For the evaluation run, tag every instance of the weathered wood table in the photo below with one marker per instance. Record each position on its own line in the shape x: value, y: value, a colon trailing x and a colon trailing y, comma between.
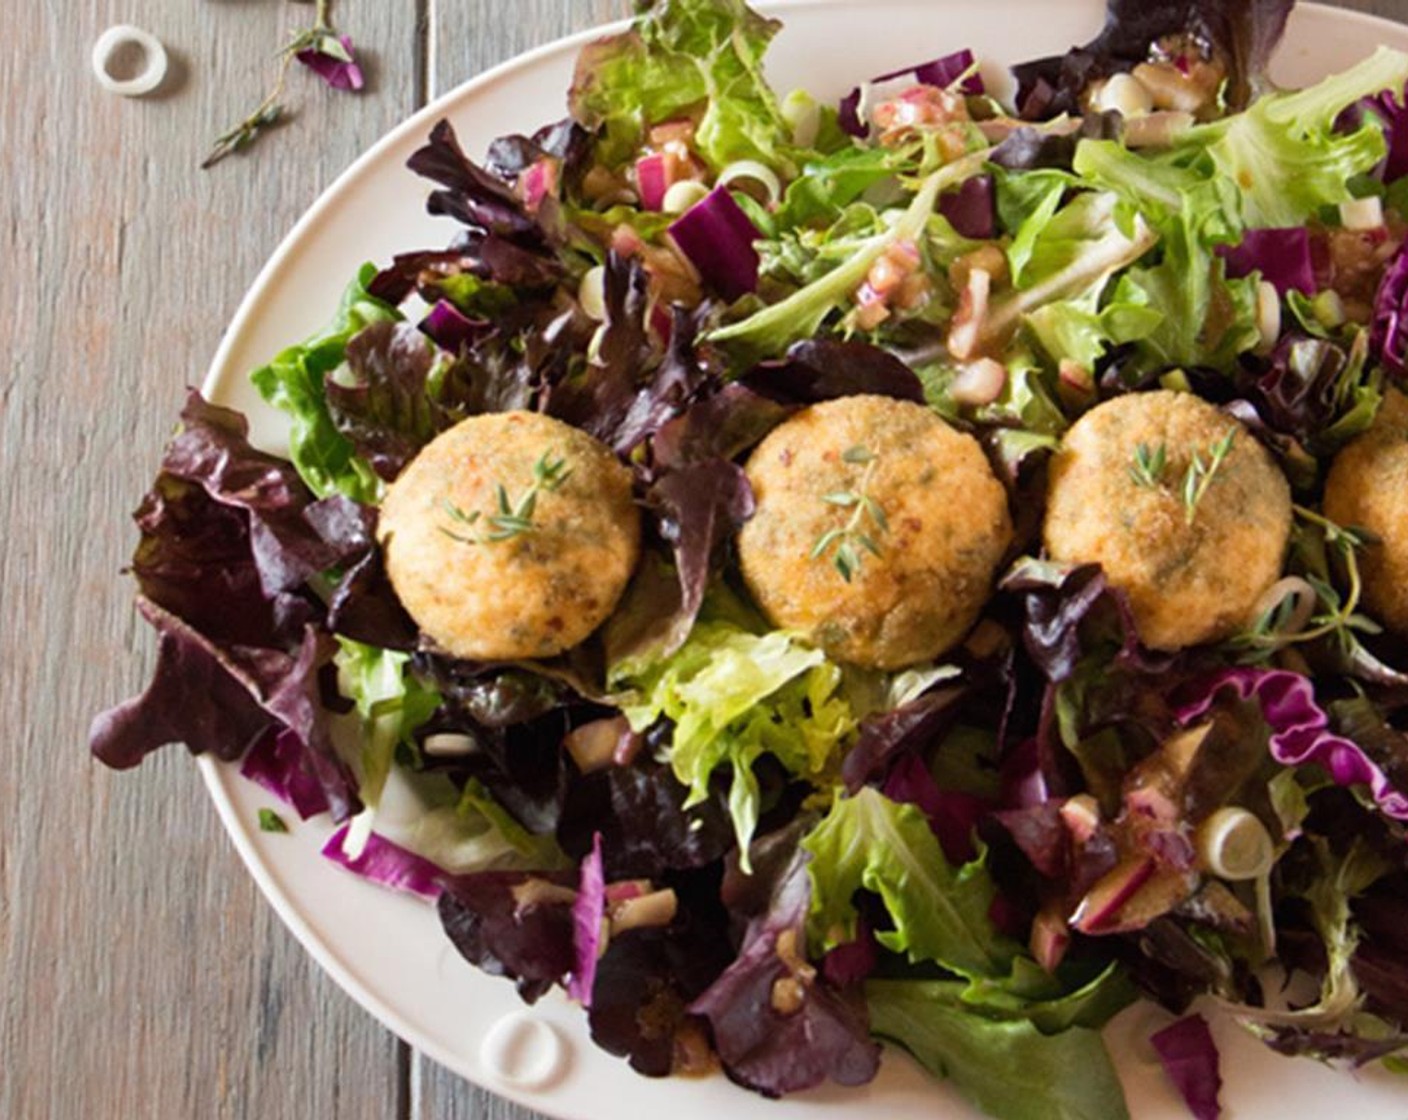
x: 141, y: 974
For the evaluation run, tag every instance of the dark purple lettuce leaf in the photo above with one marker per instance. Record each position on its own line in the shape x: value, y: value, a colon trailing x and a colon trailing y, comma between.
x: 1303, y: 391
x: 770, y: 1051
x: 381, y: 399
x: 278, y: 763
x: 644, y: 985
x: 1190, y: 1060
x: 631, y: 389
x: 817, y: 370
x: 953, y: 815
x: 291, y: 535
x: 397, y: 390
x: 637, y: 811
x: 387, y: 865
x: 1041, y: 835
x: 196, y: 560
x: 521, y: 764
x: 565, y: 141
x: 1282, y: 256
x: 1300, y: 730
x: 1242, y: 34
x: 501, y: 240
x: 221, y: 700
x: 855, y: 960
x: 229, y: 538
x: 1380, y: 961
x: 1391, y: 112
x: 365, y: 607
x: 972, y: 208
x: 193, y: 698
x: 471, y: 195
x: 407, y: 272
x: 717, y: 237
x: 588, y: 912
x: 513, y: 924
x: 886, y: 736
x: 1388, y: 336
x: 699, y: 509
x: 720, y: 425
x: 941, y: 72
x: 1032, y: 149
x: 696, y: 511
x: 1057, y: 602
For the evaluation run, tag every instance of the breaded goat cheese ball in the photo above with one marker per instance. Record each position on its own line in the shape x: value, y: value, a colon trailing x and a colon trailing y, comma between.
x: 1368, y: 488
x: 511, y: 535
x: 877, y: 533
x: 1180, y: 505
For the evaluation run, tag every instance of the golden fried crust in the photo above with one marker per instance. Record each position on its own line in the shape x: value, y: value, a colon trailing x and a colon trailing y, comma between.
x: 947, y: 529
x: 1368, y: 488
x: 1188, y: 581
x: 537, y: 594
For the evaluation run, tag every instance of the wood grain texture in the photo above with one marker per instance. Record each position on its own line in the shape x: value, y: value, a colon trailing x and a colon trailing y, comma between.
x: 140, y: 972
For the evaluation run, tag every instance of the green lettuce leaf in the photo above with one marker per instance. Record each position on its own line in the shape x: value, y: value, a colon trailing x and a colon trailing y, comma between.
x: 770, y: 331
x: 940, y: 913
x: 679, y: 56
x: 391, y: 703
x: 463, y: 831
x: 1081, y: 330
x: 293, y: 383
x: 734, y: 696
x: 1208, y: 319
x: 1007, y: 1067
x: 1284, y: 152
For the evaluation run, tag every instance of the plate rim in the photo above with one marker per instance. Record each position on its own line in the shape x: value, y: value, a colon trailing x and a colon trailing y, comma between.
x: 217, y: 775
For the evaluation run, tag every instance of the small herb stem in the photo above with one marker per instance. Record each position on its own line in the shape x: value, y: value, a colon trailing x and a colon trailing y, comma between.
x: 509, y: 519
x: 852, y: 540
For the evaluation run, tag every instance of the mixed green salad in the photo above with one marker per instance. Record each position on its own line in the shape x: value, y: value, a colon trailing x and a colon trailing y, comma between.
x: 746, y: 842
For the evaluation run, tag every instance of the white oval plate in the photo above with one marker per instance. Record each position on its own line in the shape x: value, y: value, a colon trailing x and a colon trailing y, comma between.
x: 387, y: 950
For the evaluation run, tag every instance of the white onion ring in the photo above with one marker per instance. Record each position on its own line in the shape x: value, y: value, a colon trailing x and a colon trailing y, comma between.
x: 1279, y: 592
x: 115, y: 39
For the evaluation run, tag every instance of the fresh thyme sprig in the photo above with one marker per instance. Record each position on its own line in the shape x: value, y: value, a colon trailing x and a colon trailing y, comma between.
x: 852, y: 540
x: 1200, y: 474
x: 1147, y: 470
x: 318, y: 39
x: 1319, y: 543
x: 509, y: 519
x: 1149, y: 465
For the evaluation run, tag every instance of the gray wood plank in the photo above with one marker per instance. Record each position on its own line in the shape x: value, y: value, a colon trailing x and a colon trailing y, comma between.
x: 141, y: 974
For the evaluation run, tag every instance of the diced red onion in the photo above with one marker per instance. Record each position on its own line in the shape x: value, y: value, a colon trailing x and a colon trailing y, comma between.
x: 1282, y: 256
x: 539, y: 181
x: 972, y: 208
x: 717, y: 237
x: 653, y: 180
x: 449, y: 328
x: 941, y: 72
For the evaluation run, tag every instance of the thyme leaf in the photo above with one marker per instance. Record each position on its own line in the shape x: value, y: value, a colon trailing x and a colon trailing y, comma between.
x: 510, y: 519
x: 1147, y: 469
x: 1200, y: 473
x: 852, y: 540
